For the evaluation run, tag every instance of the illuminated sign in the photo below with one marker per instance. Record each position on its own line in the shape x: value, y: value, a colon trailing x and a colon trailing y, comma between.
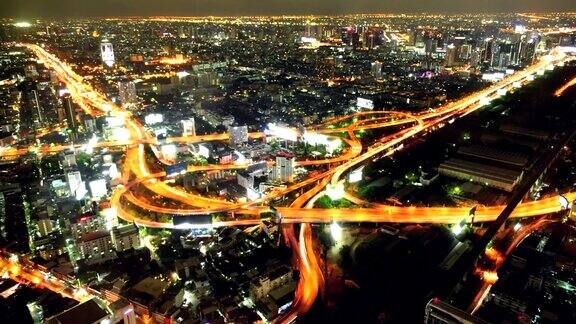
x: 308, y: 40
x: 493, y: 76
x: 120, y: 134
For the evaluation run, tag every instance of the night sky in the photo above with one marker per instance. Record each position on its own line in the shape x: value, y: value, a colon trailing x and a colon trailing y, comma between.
x: 92, y: 8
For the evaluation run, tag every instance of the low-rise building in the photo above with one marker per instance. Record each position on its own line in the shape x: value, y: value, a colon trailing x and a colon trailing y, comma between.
x: 261, y: 286
x: 96, y: 247
x: 493, y: 176
x: 125, y: 238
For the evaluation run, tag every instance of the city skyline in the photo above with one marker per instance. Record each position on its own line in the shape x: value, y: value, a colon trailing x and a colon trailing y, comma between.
x: 287, y: 169
x: 113, y: 8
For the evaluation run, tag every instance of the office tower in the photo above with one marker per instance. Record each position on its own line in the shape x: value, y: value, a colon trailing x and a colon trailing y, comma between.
x: 487, y: 48
x: 238, y: 135
x: 70, y: 113
x: 30, y: 71
x: 127, y: 93
x: 107, y: 52
x: 439, y: 312
x: 430, y: 46
x: 69, y: 160
x: 125, y: 238
x: 36, y: 106
x: 189, y: 127
x: 207, y: 79
x: 450, y: 58
x: 74, y: 181
x: 13, y: 227
x: 495, y: 55
x: 284, y: 168
x: 54, y: 78
x: 376, y: 69
x: 465, y: 52
x: 31, y: 114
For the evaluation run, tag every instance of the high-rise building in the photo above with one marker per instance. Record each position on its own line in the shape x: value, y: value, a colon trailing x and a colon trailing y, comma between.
x: 238, y: 135
x: 284, y: 168
x: 450, y: 58
x: 69, y: 159
x: 107, y: 53
x: 465, y: 52
x: 13, y: 228
x: 376, y: 69
x: 96, y: 247
x: 188, y: 127
x: 30, y: 71
x: 127, y: 93
x: 70, y: 113
x: 439, y: 312
x: 74, y: 181
x: 125, y: 238
x: 30, y: 111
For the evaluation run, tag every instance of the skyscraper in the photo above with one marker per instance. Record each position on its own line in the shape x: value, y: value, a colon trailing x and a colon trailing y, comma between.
x: 127, y: 93
x: 107, y: 52
x: 70, y: 113
x: 284, y: 168
x: 30, y: 111
x: 450, y: 58
x: 376, y: 69
x: 238, y: 135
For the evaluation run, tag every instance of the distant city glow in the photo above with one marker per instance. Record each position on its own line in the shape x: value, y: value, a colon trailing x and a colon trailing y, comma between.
x: 23, y: 24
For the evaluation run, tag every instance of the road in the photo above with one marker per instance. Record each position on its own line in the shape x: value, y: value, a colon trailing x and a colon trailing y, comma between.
x: 138, y: 177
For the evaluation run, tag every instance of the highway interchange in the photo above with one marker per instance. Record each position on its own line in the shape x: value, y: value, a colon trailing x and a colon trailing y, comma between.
x: 138, y: 177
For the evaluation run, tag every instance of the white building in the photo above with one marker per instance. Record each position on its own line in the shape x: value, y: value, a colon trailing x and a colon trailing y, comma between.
x: 86, y: 225
x: 189, y: 127
x: 261, y: 286
x: 127, y: 93
x: 125, y: 238
x: 107, y: 53
x: 69, y: 159
x: 96, y: 247
x: 284, y: 168
x: 74, y: 181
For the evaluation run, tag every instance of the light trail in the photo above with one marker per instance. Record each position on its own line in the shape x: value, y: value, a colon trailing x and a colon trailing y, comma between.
x: 560, y: 91
x: 311, y: 283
